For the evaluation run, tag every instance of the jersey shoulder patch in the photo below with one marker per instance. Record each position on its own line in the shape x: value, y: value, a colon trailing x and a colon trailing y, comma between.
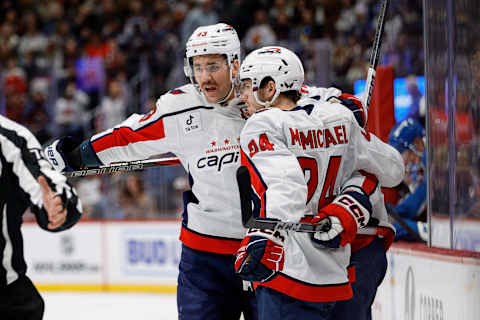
x: 176, y: 91
x: 178, y: 99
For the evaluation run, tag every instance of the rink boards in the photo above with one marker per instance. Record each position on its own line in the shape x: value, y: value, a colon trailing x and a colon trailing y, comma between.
x: 429, y: 283
x: 421, y: 283
x: 105, y: 255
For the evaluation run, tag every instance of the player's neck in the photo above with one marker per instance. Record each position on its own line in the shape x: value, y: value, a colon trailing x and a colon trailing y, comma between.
x: 230, y: 95
x: 284, y: 103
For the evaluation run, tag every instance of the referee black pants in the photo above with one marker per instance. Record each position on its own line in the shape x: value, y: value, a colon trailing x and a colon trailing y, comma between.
x: 20, y: 300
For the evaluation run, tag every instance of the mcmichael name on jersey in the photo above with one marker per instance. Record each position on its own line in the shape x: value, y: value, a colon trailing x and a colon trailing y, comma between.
x: 319, y: 138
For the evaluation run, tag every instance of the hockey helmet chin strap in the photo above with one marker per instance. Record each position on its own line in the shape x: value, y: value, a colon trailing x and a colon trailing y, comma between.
x: 232, y: 86
x: 224, y: 99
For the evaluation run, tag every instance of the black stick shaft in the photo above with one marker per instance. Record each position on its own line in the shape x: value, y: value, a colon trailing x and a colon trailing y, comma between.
x: 244, y: 186
x: 375, y: 56
x: 123, y: 167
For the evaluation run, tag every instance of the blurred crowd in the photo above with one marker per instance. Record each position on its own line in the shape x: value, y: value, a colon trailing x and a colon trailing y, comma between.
x: 77, y: 67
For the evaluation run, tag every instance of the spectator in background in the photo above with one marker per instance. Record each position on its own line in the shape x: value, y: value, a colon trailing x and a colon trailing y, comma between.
x: 201, y: 15
x: 15, y: 104
x: 348, y: 19
x: 281, y: 7
x: 36, y: 117
x: 260, y: 34
x: 134, y: 39
x: 416, y: 96
x: 8, y: 39
x: 66, y: 57
x: 100, y: 196
x: 282, y: 29
x: 113, y: 108
x: 15, y: 88
x: 237, y: 13
x: 14, y: 76
x: 357, y: 70
x: 89, y: 190
x: 32, y: 41
x: 70, y: 111
x: 135, y: 201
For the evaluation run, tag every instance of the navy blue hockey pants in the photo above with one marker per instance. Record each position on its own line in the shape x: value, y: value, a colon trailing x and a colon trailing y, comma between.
x: 209, y: 289
x: 370, y: 267
x: 275, y: 305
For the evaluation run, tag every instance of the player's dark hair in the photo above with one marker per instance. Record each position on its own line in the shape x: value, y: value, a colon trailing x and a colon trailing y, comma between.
x: 291, y: 94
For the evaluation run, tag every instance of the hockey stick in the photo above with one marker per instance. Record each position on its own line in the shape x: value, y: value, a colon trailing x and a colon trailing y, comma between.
x: 244, y: 186
x: 248, y: 221
x: 403, y: 223
x: 123, y: 167
x: 377, y: 44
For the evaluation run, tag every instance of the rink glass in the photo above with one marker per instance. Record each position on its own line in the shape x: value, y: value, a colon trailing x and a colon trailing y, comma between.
x: 452, y: 55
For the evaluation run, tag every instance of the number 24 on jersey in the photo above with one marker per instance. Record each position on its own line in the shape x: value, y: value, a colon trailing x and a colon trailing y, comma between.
x: 262, y: 145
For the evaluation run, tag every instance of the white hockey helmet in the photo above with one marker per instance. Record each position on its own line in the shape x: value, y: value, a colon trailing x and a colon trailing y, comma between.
x: 281, y: 64
x: 219, y: 38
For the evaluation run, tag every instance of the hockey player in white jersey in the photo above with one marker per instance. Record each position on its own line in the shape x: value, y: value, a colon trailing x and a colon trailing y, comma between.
x: 282, y: 147
x: 200, y: 123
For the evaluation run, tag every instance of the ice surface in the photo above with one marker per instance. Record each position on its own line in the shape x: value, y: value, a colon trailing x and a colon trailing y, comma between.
x: 118, y: 306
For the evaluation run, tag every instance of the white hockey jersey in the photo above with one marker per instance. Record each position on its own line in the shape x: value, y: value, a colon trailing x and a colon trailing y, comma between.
x: 299, y: 160
x: 206, y: 139
x: 319, y: 93
x: 380, y: 225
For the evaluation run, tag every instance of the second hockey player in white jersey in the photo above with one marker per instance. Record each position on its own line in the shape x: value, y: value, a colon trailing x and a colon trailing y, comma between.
x: 300, y: 156
x: 200, y: 123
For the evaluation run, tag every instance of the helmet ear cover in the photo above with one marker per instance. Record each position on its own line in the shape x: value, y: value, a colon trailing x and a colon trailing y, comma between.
x: 293, y: 95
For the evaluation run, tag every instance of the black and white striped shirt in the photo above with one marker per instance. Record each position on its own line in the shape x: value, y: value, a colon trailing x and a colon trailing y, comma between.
x: 21, y: 163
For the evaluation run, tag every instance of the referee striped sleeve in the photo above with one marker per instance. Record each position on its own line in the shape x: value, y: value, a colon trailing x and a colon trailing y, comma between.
x: 20, y: 148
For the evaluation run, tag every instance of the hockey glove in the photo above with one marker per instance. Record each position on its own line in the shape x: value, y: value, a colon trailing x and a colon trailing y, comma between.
x: 347, y: 213
x: 355, y: 105
x: 260, y: 255
x: 56, y: 153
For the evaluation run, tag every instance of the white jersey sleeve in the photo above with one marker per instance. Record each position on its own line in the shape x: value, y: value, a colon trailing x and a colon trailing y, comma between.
x: 377, y: 157
x: 319, y: 93
x: 379, y: 224
x: 141, y: 136
x: 368, y: 184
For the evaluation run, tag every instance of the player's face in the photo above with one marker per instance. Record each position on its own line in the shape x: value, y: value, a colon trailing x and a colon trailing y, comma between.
x: 414, y: 155
x: 212, y: 74
x: 246, y: 96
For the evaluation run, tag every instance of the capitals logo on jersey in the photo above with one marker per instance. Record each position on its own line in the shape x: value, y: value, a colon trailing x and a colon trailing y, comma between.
x: 222, y: 152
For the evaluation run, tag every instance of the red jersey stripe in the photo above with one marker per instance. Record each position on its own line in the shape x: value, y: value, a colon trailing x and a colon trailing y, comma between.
x: 361, y: 241
x: 309, y: 292
x: 352, y: 274
x: 257, y: 183
x: 370, y: 183
x: 123, y: 136
x: 206, y: 243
